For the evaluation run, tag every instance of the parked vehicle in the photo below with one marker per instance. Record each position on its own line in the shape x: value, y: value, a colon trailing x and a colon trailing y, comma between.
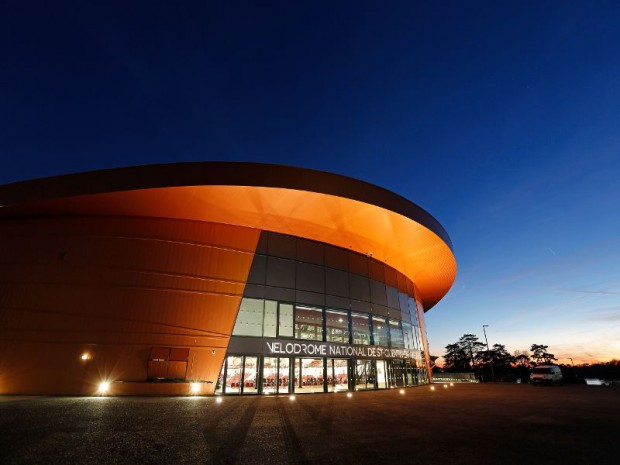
x: 546, y: 374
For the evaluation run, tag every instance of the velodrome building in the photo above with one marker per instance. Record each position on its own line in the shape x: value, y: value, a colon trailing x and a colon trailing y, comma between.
x: 215, y: 277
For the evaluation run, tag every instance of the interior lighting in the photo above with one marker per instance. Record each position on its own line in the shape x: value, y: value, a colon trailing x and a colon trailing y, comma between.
x: 194, y: 388
x: 291, y: 398
x: 218, y: 400
x: 402, y: 391
x: 432, y: 388
x: 349, y: 394
x: 104, y: 387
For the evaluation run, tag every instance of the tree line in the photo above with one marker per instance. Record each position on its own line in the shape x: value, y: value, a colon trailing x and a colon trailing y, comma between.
x: 468, y: 354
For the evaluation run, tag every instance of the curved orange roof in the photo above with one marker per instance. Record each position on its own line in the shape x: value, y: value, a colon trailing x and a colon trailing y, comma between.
x: 312, y: 204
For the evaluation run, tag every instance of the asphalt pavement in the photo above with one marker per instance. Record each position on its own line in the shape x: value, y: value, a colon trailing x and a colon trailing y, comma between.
x: 462, y: 424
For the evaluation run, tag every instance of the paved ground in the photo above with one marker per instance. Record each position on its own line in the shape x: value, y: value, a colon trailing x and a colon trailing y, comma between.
x: 471, y: 424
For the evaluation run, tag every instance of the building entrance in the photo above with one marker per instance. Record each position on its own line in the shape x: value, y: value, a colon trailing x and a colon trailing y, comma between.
x: 256, y: 374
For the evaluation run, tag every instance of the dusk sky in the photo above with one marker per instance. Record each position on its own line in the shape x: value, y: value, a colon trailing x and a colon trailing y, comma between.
x: 502, y: 119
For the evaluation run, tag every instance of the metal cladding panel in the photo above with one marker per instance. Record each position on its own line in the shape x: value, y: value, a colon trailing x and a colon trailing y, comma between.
x: 393, y: 239
x: 115, y: 288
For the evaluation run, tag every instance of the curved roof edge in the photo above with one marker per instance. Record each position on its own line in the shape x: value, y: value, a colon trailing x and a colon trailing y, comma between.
x: 217, y: 173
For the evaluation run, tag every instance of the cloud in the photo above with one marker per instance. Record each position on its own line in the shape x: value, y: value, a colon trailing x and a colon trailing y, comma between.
x: 587, y: 291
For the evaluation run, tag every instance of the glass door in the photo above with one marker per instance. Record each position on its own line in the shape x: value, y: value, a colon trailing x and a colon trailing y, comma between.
x: 364, y: 374
x: 270, y: 373
x: 381, y: 375
x: 337, y: 376
x: 250, y: 378
x: 308, y: 375
x: 283, y: 375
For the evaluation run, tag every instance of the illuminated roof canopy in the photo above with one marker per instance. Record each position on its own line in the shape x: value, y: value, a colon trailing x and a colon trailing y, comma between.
x: 312, y: 204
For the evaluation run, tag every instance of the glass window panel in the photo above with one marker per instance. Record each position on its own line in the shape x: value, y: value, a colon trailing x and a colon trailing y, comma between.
x: 250, y: 318
x: 336, y: 258
x: 392, y: 298
x: 271, y: 318
x: 308, y: 323
x: 337, y: 282
x: 402, y: 282
x: 402, y: 303
x: 396, y: 334
x: 410, y: 289
x: 337, y: 302
x: 360, y: 287
x: 358, y: 264
x: 280, y: 272
x: 361, y: 306
x: 360, y: 325
x: 412, y: 310
x: 379, y: 331
x: 390, y: 276
x: 310, y: 298
x: 337, y: 326
x: 377, y: 293
x: 309, y: 251
x: 408, y: 336
x: 233, y: 375
x: 376, y: 270
x: 310, y: 277
x: 285, y: 323
x: 281, y: 245
x: 250, y: 381
x: 279, y: 293
x: 258, y: 271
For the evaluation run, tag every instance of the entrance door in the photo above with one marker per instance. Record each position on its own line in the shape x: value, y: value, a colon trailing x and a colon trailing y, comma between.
x: 397, y: 373
x: 308, y: 375
x: 364, y: 374
x: 337, y: 376
x: 381, y: 375
x: 270, y: 375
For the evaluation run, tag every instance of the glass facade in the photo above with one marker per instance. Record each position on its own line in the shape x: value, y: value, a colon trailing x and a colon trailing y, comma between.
x: 317, y: 318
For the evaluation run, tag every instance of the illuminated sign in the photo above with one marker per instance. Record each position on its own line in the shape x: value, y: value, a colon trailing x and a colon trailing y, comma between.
x: 326, y: 349
x: 287, y: 347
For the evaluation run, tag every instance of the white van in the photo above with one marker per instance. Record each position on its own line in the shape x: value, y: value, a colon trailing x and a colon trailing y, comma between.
x: 546, y: 374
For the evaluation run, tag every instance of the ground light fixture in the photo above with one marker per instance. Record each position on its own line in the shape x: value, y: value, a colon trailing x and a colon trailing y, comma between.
x: 85, y: 356
x: 104, y: 387
x: 432, y: 388
x: 218, y: 400
x: 349, y: 394
x: 445, y: 386
x: 194, y: 388
x: 402, y: 391
x: 291, y: 398
x: 451, y: 384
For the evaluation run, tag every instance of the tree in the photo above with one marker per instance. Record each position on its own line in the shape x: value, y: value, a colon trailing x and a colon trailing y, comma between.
x: 540, y: 354
x: 501, y: 358
x: 462, y: 355
x: 522, y: 360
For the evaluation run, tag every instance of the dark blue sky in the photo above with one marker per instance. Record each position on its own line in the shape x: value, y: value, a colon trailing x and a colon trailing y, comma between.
x: 500, y: 118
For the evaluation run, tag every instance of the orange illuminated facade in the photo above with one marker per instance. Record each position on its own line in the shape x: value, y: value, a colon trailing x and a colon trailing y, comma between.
x: 202, y: 277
